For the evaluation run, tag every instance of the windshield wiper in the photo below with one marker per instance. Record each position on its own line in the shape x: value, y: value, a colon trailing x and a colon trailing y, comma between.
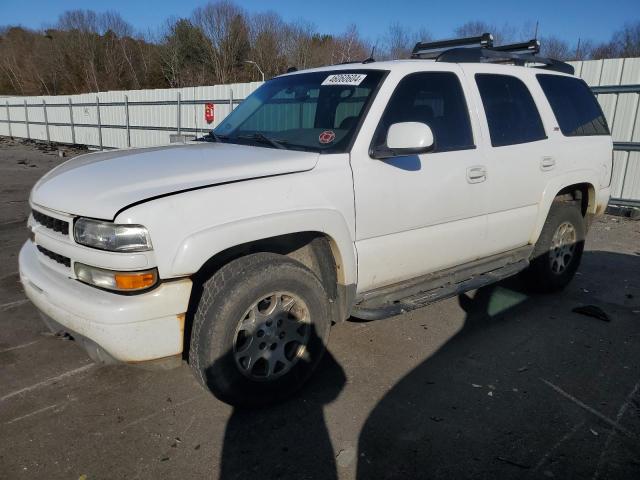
x: 262, y: 138
x: 212, y: 137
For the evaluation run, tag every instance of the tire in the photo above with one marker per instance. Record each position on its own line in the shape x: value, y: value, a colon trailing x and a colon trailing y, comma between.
x: 551, y: 269
x: 247, y: 296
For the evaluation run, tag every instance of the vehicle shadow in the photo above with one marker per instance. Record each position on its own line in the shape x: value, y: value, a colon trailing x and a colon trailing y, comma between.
x: 482, y: 405
x: 287, y: 440
x: 479, y: 407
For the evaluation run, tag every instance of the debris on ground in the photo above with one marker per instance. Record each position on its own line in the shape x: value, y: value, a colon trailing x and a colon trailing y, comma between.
x: 62, y: 335
x: 592, y: 311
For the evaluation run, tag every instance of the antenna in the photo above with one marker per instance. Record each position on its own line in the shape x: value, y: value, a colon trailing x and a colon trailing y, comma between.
x: 370, y: 59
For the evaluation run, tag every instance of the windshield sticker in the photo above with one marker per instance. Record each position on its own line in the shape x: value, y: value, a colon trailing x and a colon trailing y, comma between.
x: 327, y: 136
x: 345, y: 79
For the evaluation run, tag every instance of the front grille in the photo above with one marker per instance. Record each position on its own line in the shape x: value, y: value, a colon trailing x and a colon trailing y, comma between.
x: 51, y: 223
x: 56, y: 257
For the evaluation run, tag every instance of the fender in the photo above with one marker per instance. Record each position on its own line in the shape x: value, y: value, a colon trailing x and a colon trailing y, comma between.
x: 198, y: 247
x: 551, y: 190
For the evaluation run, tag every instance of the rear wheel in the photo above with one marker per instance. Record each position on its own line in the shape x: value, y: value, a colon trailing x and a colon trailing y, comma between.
x: 558, y: 251
x: 260, y: 329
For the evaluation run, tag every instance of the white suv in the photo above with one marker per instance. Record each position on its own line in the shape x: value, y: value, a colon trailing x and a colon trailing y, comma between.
x: 358, y: 190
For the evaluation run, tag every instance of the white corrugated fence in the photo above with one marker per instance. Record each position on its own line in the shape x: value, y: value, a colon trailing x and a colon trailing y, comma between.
x: 621, y: 106
x: 119, y: 119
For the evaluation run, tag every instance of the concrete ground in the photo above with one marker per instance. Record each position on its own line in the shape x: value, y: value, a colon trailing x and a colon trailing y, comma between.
x: 494, y: 384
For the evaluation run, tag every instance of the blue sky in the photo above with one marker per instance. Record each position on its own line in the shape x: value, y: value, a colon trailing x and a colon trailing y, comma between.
x: 591, y: 19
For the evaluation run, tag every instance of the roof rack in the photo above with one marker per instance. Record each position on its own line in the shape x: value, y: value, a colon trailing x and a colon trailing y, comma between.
x: 532, y: 46
x: 481, y: 50
x: 433, y: 49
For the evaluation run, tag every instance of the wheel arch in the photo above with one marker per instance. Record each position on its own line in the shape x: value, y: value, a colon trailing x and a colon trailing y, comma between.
x: 316, y: 250
x: 579, y: 190
x: 584, y: 193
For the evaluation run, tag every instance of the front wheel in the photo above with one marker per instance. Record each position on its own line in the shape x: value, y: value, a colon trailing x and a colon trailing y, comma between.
x: 558, y: 251
x: 260, y: 329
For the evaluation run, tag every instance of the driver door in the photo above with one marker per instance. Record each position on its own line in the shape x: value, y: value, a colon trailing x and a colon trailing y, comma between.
x: 421, y: 213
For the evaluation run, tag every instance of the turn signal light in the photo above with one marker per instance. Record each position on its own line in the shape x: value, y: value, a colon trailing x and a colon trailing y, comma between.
x: 117, y: 281
x: 135, y: 281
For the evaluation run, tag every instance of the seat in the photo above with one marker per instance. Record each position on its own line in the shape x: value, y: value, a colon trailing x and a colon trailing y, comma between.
x: 348, y: 122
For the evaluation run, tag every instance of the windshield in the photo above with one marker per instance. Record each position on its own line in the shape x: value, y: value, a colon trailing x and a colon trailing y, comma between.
x: 317, y: 111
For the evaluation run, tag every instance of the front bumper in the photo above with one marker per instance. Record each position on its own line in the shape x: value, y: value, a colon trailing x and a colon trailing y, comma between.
x: 134, y: 328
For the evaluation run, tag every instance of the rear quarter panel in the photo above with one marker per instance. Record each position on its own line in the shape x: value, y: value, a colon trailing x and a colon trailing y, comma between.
x: 579, y: 159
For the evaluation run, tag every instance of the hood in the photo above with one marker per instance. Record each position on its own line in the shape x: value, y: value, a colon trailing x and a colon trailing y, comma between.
x: 100, y: 184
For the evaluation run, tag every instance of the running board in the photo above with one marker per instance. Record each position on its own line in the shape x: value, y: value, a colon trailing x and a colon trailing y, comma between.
x: 417, y: 293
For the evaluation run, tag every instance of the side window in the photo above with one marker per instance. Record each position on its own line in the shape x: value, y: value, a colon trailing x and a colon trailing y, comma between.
x: 511, y: 113
x: 434, y: 98
x: 576, y: 109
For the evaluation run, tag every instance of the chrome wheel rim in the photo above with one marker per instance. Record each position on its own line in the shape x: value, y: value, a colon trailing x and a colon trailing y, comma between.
x: 272, y: 336
x: 563, y: 246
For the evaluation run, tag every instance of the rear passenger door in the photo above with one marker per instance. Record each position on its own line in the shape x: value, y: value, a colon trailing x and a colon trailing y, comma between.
x: 518, y: 153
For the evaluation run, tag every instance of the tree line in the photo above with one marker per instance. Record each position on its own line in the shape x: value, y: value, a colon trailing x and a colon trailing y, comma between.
x: 86, y: 51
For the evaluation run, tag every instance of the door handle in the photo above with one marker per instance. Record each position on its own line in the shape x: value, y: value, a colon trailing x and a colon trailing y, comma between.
x: 547, y: 163
x: 476, y: 174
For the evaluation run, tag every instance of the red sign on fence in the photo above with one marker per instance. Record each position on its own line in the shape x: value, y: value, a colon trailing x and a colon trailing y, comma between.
x: 208, y: 112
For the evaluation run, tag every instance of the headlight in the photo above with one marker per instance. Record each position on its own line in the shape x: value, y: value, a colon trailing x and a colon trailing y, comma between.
x: 117, y: 281
x: 110, y: 236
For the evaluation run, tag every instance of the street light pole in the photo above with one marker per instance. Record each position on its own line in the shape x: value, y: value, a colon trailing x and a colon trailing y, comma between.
x: 257, y: 66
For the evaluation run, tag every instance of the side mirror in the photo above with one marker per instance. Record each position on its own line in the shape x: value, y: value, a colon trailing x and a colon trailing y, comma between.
x: 406, y: 138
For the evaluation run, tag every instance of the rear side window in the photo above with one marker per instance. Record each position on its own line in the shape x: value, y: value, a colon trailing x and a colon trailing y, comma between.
x: 511, y: 112
x: 434, y: 98
x: 576, y: 109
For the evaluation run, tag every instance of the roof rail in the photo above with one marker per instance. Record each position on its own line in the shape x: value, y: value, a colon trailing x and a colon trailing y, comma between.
x: 433, y: 49
x: 481, y: 50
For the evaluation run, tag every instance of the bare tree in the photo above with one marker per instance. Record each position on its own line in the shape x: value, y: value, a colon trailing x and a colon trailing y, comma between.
x: 298, y: 44
x: 267, y: 38
x: 223, y: 24
x: 88, y: 51
x: 399, y: 42
x: 605, y: 50
x: 627, y: 40
x: 349, y: 47
x: 82, y: 41
x: 554, y: 47
x: 501, y: 34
